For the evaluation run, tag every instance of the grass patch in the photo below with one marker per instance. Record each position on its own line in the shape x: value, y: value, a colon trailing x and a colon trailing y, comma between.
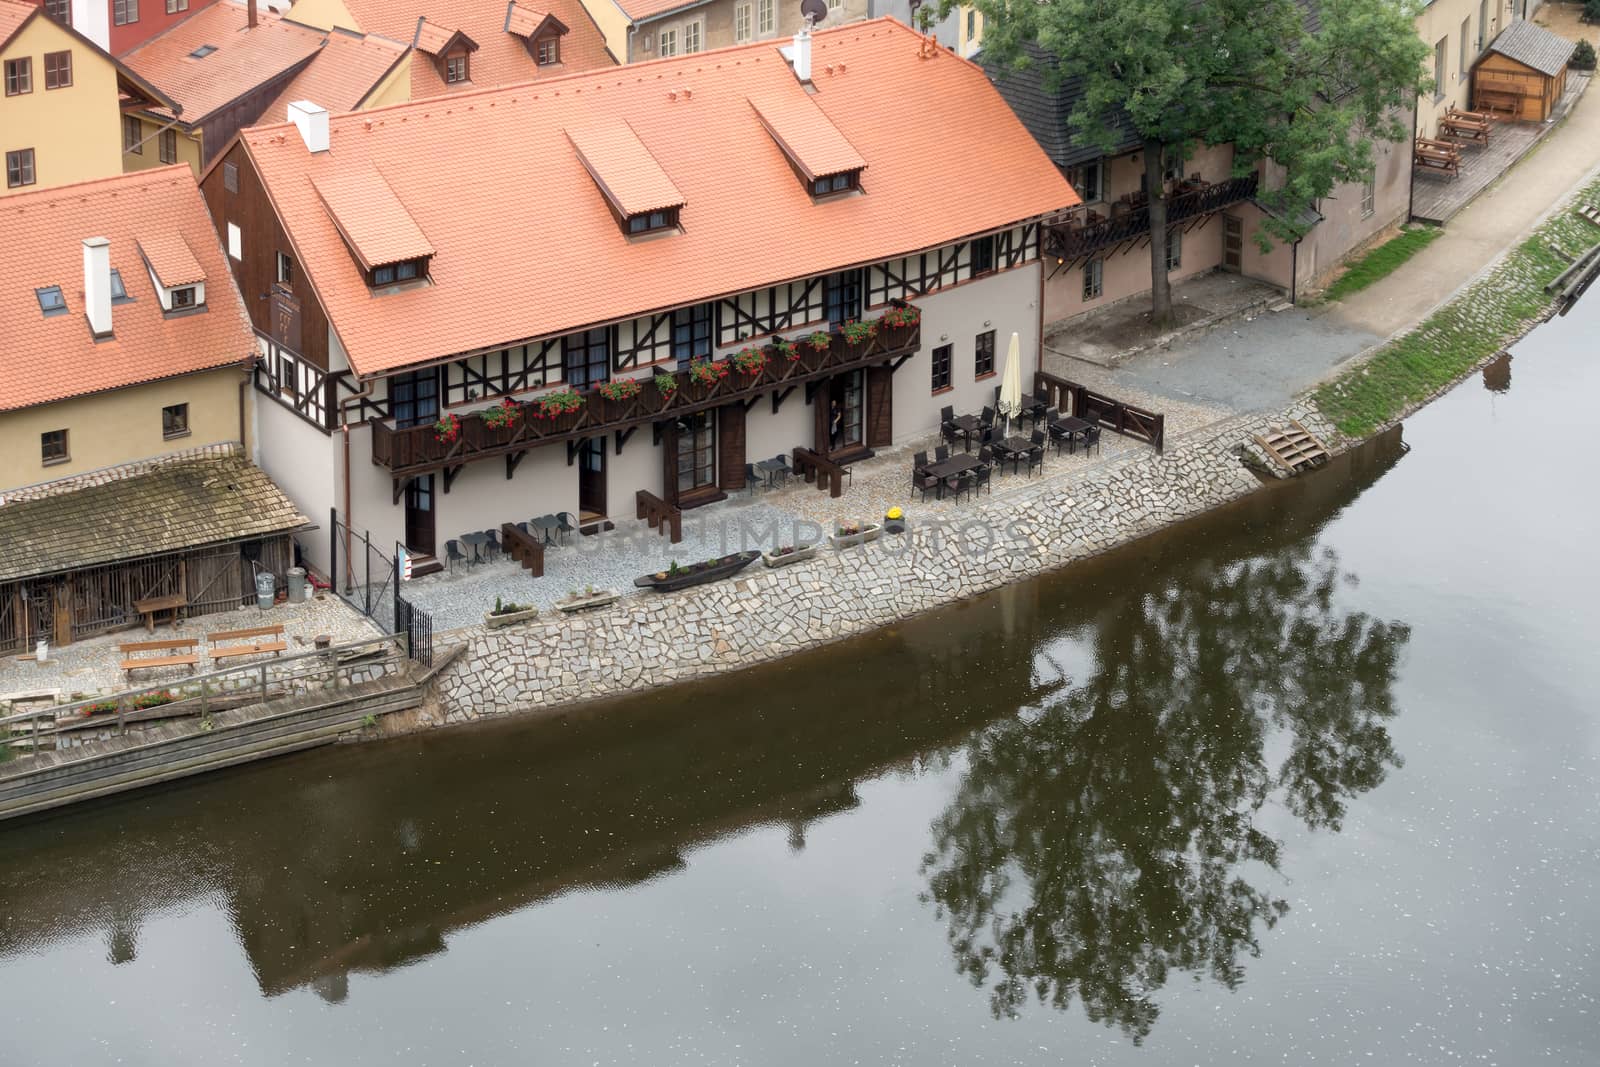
x: 1382, y: 261
x: 1480, y: 321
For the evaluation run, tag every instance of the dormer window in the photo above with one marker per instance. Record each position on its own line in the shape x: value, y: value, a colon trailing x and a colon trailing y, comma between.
x: 455, y: 69
x: 183, y: 297
x: 547, y: 51
x: 119, y: 292
x: 652, y: 221
x: 179, y: 280
x: 51, y: 302
x: 540, y: 32
x: 832, y: 184
x: 407, y: 270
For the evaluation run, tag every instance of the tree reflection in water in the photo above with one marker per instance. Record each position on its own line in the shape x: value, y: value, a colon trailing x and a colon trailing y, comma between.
x: 1108, y: 842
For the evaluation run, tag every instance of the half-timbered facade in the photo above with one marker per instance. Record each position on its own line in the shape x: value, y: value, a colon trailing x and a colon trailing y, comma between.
x: 667, y: 277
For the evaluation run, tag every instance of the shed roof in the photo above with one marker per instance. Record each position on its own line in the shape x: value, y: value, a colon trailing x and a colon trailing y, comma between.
x: 373, y: 222
x: 1534, y: 47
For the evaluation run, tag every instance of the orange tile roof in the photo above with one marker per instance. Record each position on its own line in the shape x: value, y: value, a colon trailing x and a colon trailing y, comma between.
x: 243, y: 60
x: 172, y: 260
x: 623, y: 167
x: 527, y: 247
x: 502, y: 57
x: 371, y: 218
x: 13, y: 13
x: 433, y: 38
x: 642, y: 10
x: 805, y: 134
x: 45, y: 359
x: 343, y: 75
x: 525, y: 21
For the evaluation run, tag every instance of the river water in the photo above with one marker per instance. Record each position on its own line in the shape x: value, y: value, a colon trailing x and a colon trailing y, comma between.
x: 1314, y: 780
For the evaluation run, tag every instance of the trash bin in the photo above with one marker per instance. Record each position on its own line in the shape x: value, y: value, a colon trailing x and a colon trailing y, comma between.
x: 266, y: 588
x: 297, y: 584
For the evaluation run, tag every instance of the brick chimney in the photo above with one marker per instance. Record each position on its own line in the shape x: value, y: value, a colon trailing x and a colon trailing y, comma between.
x: 97, y: 285
x: 250, y: 14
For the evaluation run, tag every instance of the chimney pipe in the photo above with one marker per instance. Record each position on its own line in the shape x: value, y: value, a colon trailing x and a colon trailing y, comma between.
x: 97, y: 285
x: 802, y: 51
x: 250, y: 10
x: 312, y: 122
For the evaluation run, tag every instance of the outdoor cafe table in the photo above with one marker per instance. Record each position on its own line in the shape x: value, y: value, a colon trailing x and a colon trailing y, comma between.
x: 475, y: 541
x: 769, y: 468
x: 951, y: 467
x: 1074, y: 428
x: 1012, y: 449
x: 970, y: 427
x: 547, y: 525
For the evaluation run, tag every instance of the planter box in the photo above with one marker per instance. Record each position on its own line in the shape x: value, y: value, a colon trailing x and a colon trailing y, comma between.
x: 584, y: 603
x: 868, y: 532
x: 510, y: 618
x: 787, y: 558
x: 697, y: 574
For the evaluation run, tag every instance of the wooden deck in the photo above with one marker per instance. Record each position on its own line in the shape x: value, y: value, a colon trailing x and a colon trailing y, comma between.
x: 1437, y: 197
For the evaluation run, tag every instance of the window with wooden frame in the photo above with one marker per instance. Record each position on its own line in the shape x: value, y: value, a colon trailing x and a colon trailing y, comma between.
x: 57, y: 70
x: 175, y: 421
x: 983, y: 354
x: 19, y: 76
x: 982, y: 252
x: 455, y: 68
x: 230, y: 177
x: 59, y: 10
x: 831, y: 184
x: 1093, y: 279
x: 407, y: 270
x: 19, y: 168
x: 941, y: 367
x: 651, y: 222
x: 697, y: 452
x: 667, y: 47
x: 183, y: 298
x: 283, y: 269
x: 53, y: 447
x: 414, y: 398
x: 841, y: 296
x: 741, y: 23
x: 167, y: 146
x: 132, y: 135
x: 175, y: 6
x: 586, y: 357
x: 124, y: 12
x: 1174, y: 249
x: 1369, y: 196
x: 547, y: 53
x: 691, y: 333
x: 1089, y: 181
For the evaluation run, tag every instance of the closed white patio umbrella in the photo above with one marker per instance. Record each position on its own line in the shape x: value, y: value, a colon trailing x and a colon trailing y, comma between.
x: 1010, y: 402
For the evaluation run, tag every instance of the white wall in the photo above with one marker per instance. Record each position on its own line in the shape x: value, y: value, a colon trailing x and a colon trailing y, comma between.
x: 304, y: 463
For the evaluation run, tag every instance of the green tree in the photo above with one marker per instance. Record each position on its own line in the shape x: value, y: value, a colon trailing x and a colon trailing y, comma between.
x: 1306, y: 84
x: 1092, y: 850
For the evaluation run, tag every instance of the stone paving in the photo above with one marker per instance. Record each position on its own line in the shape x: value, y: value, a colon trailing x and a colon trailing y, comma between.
x: 642, y: 642
x: 796, y: 513
x: 1109, y: 335
x: 89, y: 667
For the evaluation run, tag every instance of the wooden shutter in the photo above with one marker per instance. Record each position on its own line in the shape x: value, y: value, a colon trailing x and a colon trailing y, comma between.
x: 669, y: 460
x: 730, y: 447
x: 880, y: 407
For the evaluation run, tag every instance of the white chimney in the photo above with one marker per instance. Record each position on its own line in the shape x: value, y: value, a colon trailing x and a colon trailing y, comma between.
x: 312, y: 122
x: 97, y: 285
x: 802, y: 51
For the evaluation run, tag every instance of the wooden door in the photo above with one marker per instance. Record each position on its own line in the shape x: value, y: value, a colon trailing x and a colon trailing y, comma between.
x: 1232, y: 243
x: 419, y: 516
x: 669, y: 461
x: 880, y: 407
x: 592, y: 478
x: 730, y: 447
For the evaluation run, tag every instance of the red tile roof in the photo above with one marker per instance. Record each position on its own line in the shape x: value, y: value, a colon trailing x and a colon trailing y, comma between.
x: 623, y: 167
x: 502, y: 57
x: 344, y: 74
x: 171, y: 259
x: 641, y: 10
x: 805, y: 134
x: 13, y: 13
x: 525, y: 21
x: 371, y: 218
x: 526, y: 246
x: 433, y: 38
x: 51, y: 358
x: 131, y: 88
x: 243, y: 59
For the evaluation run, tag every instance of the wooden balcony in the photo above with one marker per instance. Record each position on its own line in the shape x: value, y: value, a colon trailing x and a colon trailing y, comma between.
x: 1075, y: 240
x: 417, y: 449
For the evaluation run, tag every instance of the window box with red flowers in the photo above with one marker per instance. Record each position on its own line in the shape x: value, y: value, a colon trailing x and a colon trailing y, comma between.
x: 621, y: 389
x: 819, y: 342
x: 447, y: 429
x: 667, y: 386
x: 858, y: 332
x: 556, y: 404
x: 502, y: 414
x: 707, y: 372
x: 907, y: 315
x: 788, y: 350
x: 750, y: 360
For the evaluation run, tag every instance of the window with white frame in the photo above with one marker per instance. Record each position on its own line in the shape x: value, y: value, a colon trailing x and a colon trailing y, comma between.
x: 741, y: 23
x: 765, y: 18
x: 1093, y: 279
x: 124, y: 12
x: 1089, y: 180
x: 668, y: 45
x: 1174, y: 249
x: 691, y: 37
x: 1369, y: 195
x: 235, y: 241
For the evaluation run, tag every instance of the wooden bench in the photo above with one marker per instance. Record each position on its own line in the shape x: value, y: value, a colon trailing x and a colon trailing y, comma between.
x: 179, y: 652
x: 153, y: 606
x: 659, y: 514
x: 1497, y: 102
x: 1431, y: 158
x: 820, y: 469
x: 273, y: 642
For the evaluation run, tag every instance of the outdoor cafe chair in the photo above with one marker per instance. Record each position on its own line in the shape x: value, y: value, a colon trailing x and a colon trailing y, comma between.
x: 565, y: 524
x: 1035, y: 459
x: 452, y: 553
x: 919, y: 462
x: 751, y: 479
x: 982, y: 478
x: 987, y: 418
x: 1091, y: 439
x: 491, y: 544
x: 784, y: 470
x: 941, y: 453
x: 947, y: 414
x: 924, y: 483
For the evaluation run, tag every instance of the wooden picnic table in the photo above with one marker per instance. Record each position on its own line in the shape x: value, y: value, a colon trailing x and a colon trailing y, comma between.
x: 150, y: 607
x: 1463, y: 129
x: 1437, y: 159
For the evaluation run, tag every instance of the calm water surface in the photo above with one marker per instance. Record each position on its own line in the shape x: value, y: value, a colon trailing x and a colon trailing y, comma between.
x: 1314, y: 781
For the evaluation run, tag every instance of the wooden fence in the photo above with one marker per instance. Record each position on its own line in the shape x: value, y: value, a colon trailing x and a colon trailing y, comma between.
x: 1070, y: 398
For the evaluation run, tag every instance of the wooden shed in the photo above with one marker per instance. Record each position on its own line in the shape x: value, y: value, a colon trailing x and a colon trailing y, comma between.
x: 1522, y: 73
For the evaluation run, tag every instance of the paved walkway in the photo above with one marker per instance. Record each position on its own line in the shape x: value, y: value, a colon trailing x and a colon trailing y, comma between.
x: 1110, y: 335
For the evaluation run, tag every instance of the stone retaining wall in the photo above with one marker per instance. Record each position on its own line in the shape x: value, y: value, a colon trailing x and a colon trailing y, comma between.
x: 642, y: 642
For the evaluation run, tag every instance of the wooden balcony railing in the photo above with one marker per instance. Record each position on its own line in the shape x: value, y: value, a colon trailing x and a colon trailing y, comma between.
x: 417, y: 449
x: 1069, y: 241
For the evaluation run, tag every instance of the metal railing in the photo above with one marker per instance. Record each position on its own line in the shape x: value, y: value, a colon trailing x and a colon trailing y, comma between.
x: 337, y: 666
x: 1068, y: 241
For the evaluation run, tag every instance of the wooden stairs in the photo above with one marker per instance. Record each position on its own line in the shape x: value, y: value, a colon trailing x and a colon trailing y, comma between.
x: 1590, y: 212
x: 1293, y: 447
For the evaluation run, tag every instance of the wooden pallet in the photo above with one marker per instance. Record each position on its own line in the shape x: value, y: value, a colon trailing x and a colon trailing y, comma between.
x: 1590, y: 212
x: 1294, y: 447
